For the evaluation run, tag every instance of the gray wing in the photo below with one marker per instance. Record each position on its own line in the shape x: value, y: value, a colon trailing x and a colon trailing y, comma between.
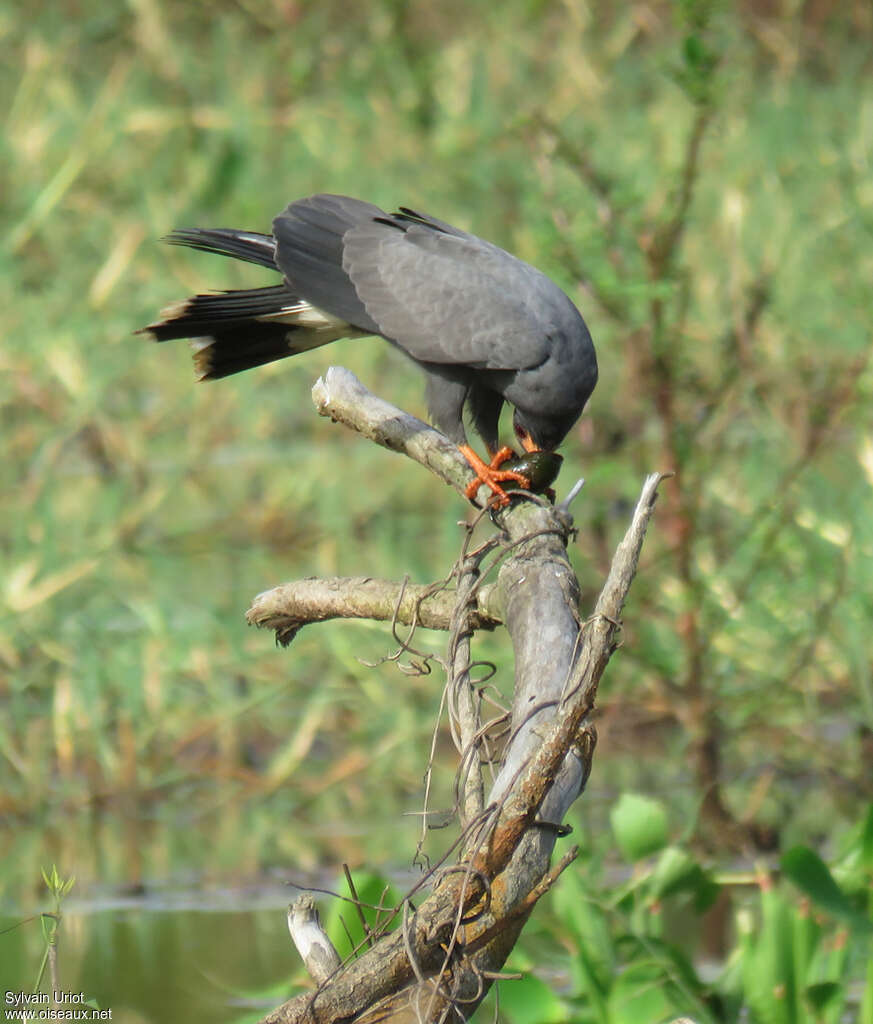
x: 448, y: 297
x: 309, y: 251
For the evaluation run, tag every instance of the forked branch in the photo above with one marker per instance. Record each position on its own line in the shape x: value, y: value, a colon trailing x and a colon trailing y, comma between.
x: 444, y: 954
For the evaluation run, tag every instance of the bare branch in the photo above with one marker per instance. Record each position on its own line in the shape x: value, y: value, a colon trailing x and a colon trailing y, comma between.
x: 315, y: 948
x: 547, y: 764
x: 463, y: 703
x: 291, y: 606
x: 341, y: 396
x: 524, y: 907
x: 533, y: 776
x: 447, y: 952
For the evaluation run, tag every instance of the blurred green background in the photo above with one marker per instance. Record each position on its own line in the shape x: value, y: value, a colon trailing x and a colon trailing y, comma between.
x: 696, y: 175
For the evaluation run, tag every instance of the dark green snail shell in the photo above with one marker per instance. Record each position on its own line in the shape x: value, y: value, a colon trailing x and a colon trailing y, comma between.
x: 541, y: 468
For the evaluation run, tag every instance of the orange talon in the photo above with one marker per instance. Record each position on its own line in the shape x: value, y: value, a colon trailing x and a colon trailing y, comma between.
x: 491, y: 475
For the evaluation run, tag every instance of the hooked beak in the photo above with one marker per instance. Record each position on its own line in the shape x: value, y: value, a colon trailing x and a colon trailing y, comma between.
x: 526, y: 441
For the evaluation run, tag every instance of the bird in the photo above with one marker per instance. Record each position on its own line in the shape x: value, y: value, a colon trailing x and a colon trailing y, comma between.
x: 484, y: 326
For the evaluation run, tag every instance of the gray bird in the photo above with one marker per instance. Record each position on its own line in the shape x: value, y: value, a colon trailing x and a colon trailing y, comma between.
x: 485, y: 327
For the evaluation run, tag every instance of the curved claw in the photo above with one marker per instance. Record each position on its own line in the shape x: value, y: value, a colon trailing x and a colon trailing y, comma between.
x: 491, y: 475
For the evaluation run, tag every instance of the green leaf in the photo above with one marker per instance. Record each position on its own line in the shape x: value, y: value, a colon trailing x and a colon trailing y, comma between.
x: 805, y: 943
x: 818, y: 996
x: 587, y: 931
x: 768, y: 963
x: 342, y: 921
x: 644, y: 993
x: 694, y: 51
x: 811, y: 875
x: 866, y: 1014
x: 677, y: 872
x: 867, y: 839
x: 640, y: 825
x: 531, y: 1001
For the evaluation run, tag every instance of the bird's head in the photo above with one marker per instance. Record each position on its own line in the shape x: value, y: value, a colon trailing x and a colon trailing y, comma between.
x: 541, y: 432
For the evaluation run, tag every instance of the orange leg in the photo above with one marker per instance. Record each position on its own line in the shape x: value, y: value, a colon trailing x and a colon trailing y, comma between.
x: 491, y: 474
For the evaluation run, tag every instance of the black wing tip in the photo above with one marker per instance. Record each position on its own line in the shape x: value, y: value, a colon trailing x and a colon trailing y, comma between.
x: 183, y: 236
x: 408, y: 217
x: 204, y: 239
x: 404, y: 218
x: 234, y: 243
x: 166, y: 328
x: 390, y: 222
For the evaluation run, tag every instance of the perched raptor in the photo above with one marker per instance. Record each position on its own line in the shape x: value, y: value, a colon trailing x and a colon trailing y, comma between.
x: 485, y: 327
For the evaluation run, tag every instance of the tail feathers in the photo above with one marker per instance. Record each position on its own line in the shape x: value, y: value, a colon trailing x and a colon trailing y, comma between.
x: 237, y: 330
x: 241, y: 245
x: 222, y: 355
x: 219, y: 311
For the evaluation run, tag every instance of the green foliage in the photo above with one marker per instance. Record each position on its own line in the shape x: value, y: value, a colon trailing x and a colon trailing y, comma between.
x: 372, y: 901
x: 529, y: 999
x: 696, y: 75
x: 50, y: 924
x: 639, y: 824
x: 59, y: 888
x: 631, y: 953
x: 810, y: 874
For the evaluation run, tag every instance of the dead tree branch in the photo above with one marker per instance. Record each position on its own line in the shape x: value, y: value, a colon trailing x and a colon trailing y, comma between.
x: 463, y: 701
x: 341, y: 396
x: 448, y: 950
x: 288, y: 608
x: 315, y: 948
